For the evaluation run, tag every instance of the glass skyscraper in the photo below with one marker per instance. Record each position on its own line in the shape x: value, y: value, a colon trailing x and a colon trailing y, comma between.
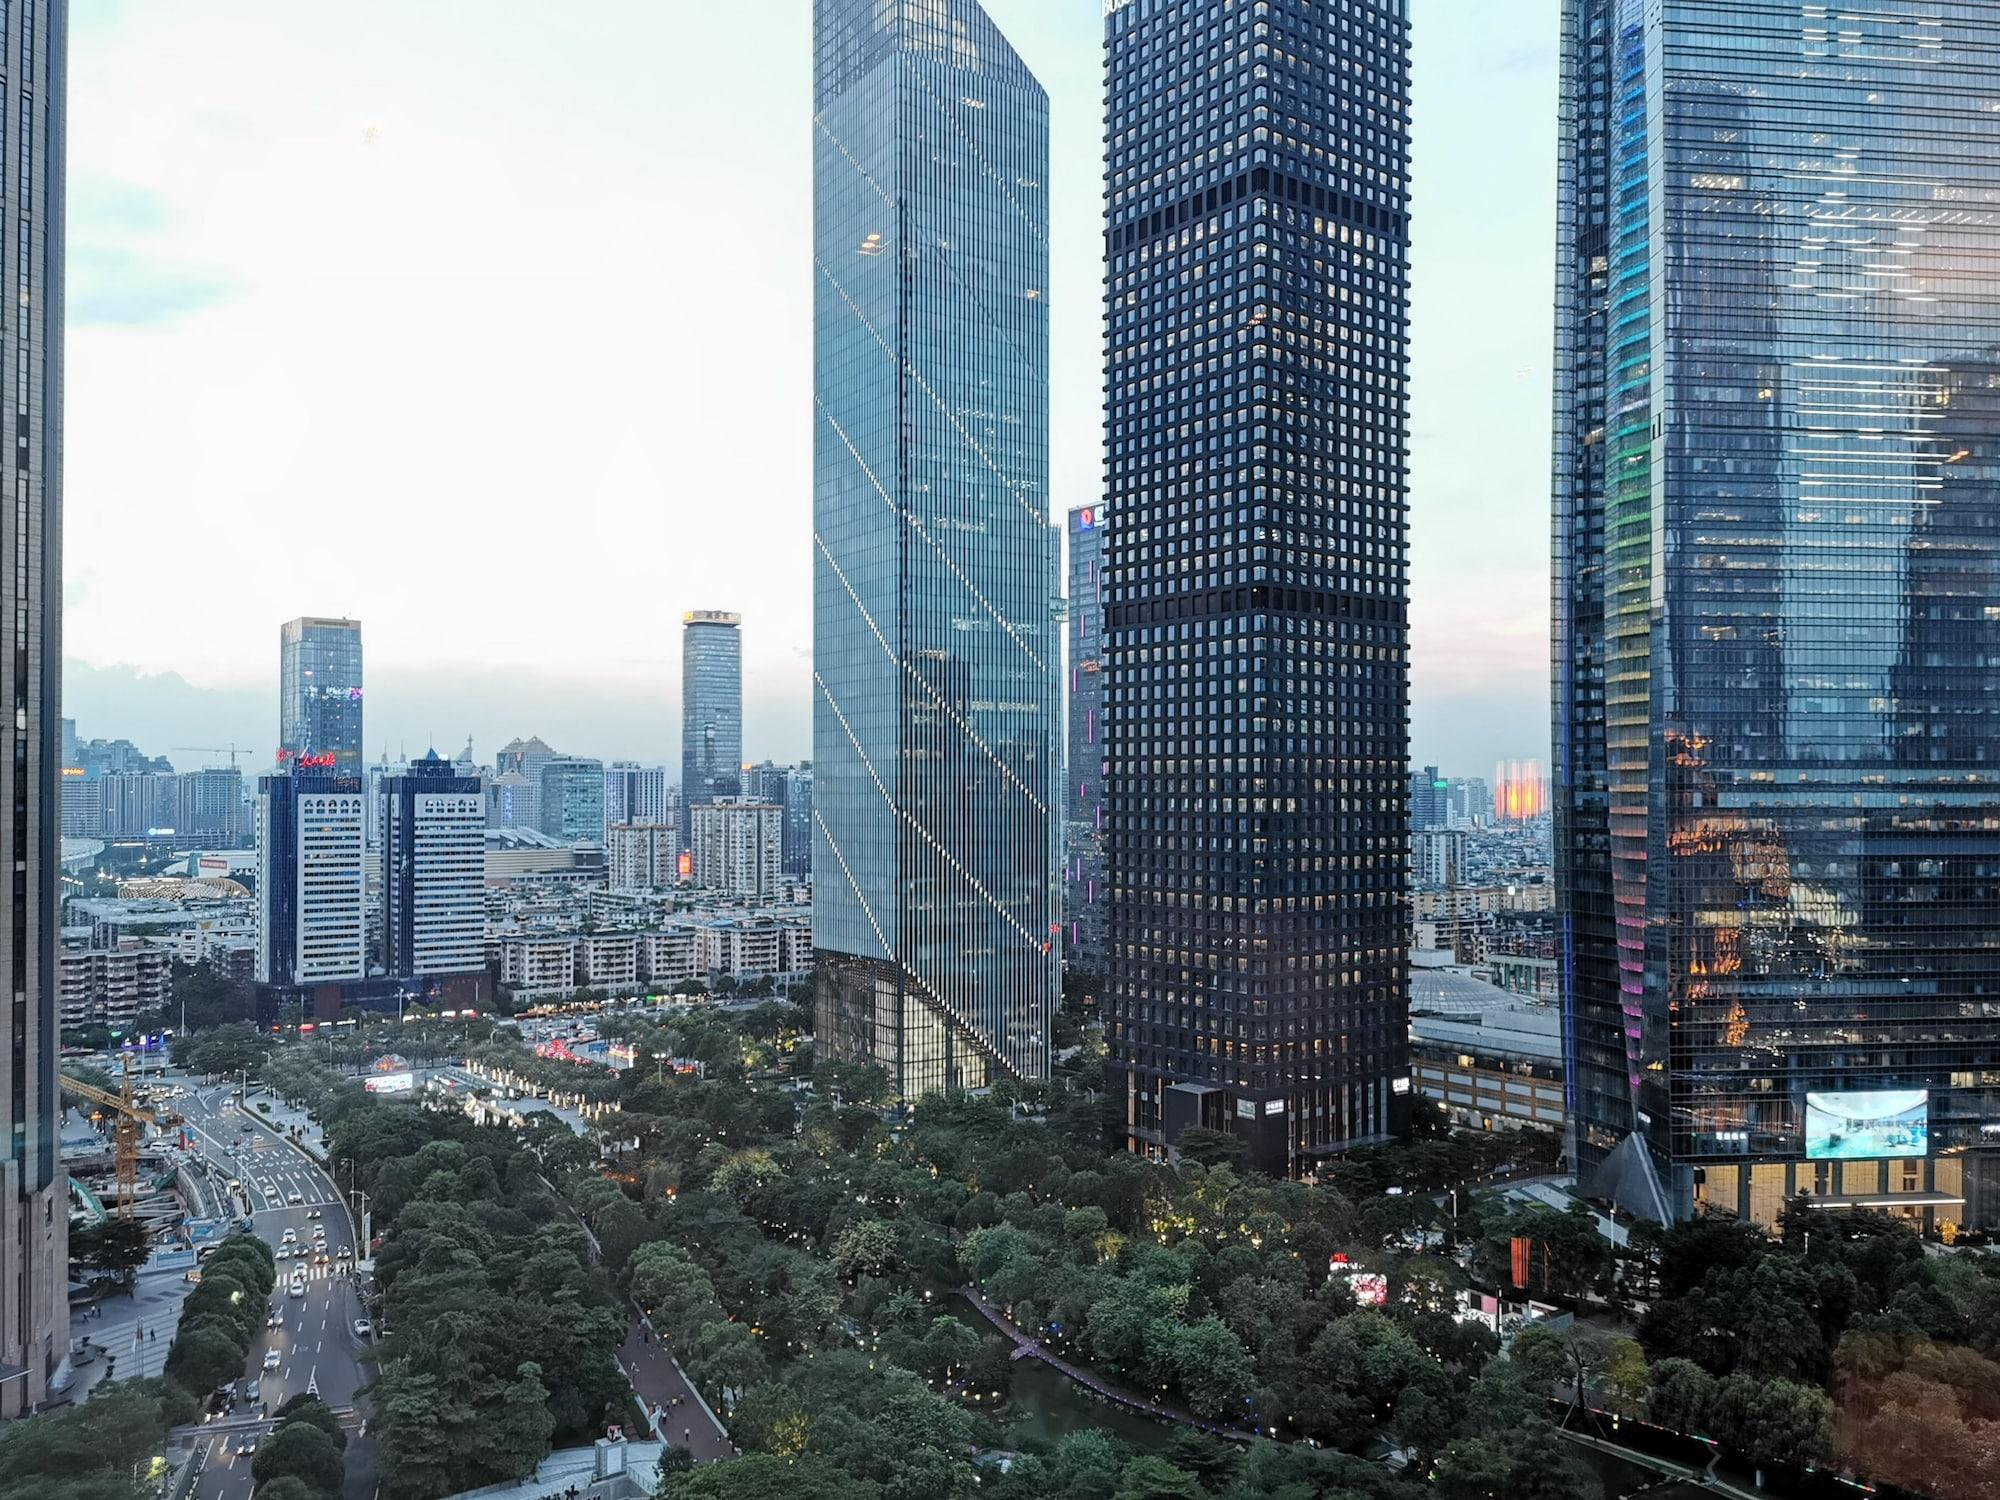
x: 1777, y: 602
x: 935, y: 658
x: 1083, y: 782
x: 711, y: 710
x: 319, y: 695
x: 1256, y: 207
x: 34, y: 1203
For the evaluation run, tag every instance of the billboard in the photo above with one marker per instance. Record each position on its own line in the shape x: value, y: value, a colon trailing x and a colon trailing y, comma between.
x: 1856, y: 1127
x: 390, y: 1083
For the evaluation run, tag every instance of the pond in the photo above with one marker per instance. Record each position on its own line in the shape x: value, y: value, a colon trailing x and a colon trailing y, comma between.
x: 1048, y: 1406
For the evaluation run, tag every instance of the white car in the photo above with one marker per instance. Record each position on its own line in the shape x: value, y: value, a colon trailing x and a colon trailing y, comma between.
x: 288, y: 1236
x: 298, y: 1289
x: 272, y: 1359
x: 293, y: 1197
x: 362, y: 1328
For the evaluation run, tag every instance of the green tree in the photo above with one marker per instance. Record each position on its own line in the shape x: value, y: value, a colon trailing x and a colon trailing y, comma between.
x: 205, y: 1356
x: 1150, y: 1477
x: 302, y: 1451
x: 117, y: 1246
x: 1773, y: 1421
x: 761, y: 1476
x: 287, y: 1487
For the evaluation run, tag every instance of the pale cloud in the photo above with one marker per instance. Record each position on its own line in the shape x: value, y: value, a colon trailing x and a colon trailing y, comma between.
x: 489, y: 323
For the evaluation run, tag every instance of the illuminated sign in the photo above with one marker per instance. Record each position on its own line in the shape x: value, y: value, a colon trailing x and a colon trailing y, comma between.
x: 72, y: 770
x: 1861, y: 1126
x: 307, y: 759
x: 1274, y: 1106
x: 390, y: 1083
x: 686, y: 865
x: 1086, y: 519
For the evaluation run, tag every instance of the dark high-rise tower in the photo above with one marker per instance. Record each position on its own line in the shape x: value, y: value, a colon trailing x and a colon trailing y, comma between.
x: 711, y: 710
x: 1256, y: 225
x: 319, y: 695
x: 935, y: 661
x: 1777, y: 561
x: 34, y: 1205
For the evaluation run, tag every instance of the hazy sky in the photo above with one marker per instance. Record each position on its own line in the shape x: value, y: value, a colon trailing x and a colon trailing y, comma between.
x: 489, y: 323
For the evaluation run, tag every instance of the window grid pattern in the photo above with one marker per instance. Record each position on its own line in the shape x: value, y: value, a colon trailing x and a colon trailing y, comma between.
x: 1256, y: 636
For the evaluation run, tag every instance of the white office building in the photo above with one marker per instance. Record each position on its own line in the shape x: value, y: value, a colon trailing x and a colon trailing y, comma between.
x: 311, y: 923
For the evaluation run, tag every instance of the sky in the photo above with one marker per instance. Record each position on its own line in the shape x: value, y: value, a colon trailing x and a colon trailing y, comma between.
x: 488, y: 323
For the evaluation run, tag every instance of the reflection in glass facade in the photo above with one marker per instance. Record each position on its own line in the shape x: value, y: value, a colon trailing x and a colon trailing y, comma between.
x: 1777, y: 591
x: 1083, y: 781
x: 934, y: 561
x: 1256, y: 576
x: 711, y: 710
x: 319, y: 694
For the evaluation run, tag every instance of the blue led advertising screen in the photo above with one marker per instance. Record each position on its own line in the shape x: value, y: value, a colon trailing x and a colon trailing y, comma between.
x: 1858, y: 1126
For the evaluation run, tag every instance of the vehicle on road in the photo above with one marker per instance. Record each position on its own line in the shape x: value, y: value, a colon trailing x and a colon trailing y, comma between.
x: 247, y: 1448
x: 362, y: 1328
x: 293, y: 1197
x: 298, y: 1289
x: 252, y: 1391
x: 314, y: 1214
x: 288, y: 1236
x: 276, y: 1320
x: 272, y: 1359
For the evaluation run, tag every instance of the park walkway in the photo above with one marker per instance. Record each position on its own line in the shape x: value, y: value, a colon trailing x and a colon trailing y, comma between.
x: 1028, y: 1348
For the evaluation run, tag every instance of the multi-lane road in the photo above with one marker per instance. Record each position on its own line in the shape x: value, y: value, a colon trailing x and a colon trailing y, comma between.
x: 282, y: 1189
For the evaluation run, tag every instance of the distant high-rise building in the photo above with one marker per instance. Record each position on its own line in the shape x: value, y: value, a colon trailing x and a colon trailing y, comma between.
x: 1256, y: 571
x: 573, y: 799
x: 1083, y: 788
x: 1437, y: 858
x: 634, y: 793
x: 433, y: 873
x: 34, y: 1208
x: 642, y: 856
x: 935, y: 655
x: 791, y: 788
x: 209, y: 807
x: 514, y: 801
x: 1430, y: 800
x: 1520, y: 791
x: 1776, y: 647
x: 524, y: 757
x: 319, y: 695
x: 738, y: 847
x: 311, y: 880
x: 711, y: 709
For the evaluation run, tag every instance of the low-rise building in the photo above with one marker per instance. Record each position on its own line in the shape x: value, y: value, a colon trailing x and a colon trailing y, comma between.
x: 536, y: 965
x: 1493, y: 1059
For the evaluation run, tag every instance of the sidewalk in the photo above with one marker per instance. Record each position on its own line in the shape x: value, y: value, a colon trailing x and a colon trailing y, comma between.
x: 657, y: 1379
x: 135, y: 1333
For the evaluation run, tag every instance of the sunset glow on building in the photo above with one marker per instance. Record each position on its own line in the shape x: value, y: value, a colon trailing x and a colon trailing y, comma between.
x: 1519, y: 791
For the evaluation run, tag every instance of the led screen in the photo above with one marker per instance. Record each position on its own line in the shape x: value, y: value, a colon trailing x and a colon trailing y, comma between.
x: 390, y: 1083
x: 1855, y: 1127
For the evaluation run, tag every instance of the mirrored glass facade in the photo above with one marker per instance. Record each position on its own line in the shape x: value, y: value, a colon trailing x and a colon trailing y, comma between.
x: 1777, y: 592
x: 319, y: 695
x: 935, y: 659
x: 1256, y: 208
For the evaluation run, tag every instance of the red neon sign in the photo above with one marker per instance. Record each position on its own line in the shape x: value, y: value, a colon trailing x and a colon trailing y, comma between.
x: 307, y: 759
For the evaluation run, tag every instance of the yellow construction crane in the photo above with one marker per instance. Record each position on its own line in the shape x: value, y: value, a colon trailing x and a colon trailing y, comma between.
x: 125, y: 1151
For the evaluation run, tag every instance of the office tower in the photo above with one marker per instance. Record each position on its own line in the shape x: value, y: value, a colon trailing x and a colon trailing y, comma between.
x: 1468, y: 801
x: 573, y: 799
x: 433, y: 872
x: 642, y: 856
x: 311, y: 918
x: 798, y: 799
x: 634, y: 793
x: 1430, y: 796
x: 1777, y: 663
x: 524, y: 757
x: 319, y: 695
x: 1256, y: 632
x: 1083, y: 781
x: 738, y: 847
x: 711, y: 709
x: 791, y: 788
x: 1520, y: 791
x: 935, y: 655
x: 34, y: 1311
x: 514, y: 801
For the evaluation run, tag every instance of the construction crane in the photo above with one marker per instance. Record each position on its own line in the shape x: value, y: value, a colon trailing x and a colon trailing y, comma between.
x: 125, y: 1152
x: 229, y: 750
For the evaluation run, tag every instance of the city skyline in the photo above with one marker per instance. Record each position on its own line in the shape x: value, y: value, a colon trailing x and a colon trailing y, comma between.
x: 170, y: 277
